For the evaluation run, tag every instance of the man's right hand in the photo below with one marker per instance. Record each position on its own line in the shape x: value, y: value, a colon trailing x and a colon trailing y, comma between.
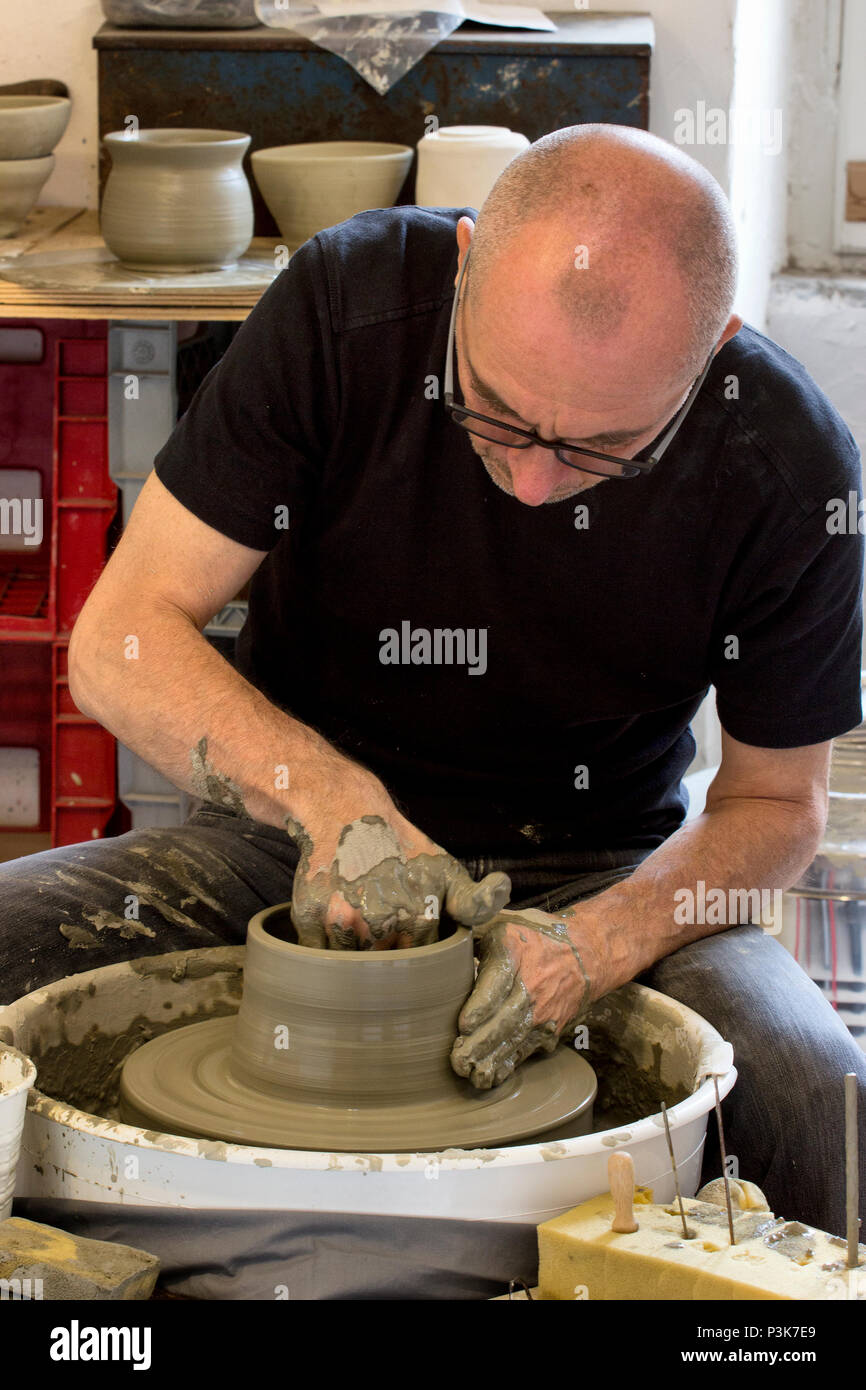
x: 370, y: 880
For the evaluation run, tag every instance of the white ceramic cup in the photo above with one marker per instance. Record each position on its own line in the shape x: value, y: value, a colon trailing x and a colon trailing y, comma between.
x: 17, y: 1075
x: 459, y: 164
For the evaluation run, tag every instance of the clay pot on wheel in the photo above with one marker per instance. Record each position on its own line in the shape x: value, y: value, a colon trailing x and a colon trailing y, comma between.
x: 346, y: 1051
x: 365, y: 1027
x: 177, y: 200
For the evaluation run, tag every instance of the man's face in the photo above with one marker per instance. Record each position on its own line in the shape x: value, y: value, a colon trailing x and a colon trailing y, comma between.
x: 540, y: 386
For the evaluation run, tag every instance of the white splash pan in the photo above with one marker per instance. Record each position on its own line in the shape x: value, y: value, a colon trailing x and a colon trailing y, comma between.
x: 69, y: 1153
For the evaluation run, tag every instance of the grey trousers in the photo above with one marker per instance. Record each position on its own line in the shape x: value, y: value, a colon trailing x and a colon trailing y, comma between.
x: 158, y: 890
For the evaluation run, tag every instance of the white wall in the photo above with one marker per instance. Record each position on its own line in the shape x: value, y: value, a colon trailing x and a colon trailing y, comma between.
x: 693, y: 61
x: 52, y: 39
x: 759, y: 159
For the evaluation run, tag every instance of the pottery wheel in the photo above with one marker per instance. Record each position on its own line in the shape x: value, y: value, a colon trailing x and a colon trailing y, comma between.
x: 184, y: 1083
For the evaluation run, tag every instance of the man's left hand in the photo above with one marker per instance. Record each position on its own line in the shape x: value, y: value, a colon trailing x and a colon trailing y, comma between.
x: 530, y: 987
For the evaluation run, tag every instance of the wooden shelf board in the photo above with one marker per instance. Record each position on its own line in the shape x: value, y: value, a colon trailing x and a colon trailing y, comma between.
x: 54, y: 229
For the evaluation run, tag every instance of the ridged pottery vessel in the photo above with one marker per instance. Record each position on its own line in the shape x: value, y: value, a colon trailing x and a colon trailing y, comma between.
x: 177, y: 200
x: 346, y: 1051
x: 21, y: 182
x: 313, y: 186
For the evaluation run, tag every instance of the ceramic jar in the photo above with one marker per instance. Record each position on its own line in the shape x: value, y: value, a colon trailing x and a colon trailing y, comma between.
x: 459, y: 164
x: 177, y: 200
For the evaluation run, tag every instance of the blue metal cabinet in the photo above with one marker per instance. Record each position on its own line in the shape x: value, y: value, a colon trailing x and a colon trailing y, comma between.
x: 281, y: 88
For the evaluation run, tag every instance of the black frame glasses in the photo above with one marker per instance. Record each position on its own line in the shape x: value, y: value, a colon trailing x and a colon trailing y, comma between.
x: 523, y: 439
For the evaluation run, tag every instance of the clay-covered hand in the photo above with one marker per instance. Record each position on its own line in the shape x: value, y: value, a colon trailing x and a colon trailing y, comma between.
x: 531, y: 988
x: 385, y: 886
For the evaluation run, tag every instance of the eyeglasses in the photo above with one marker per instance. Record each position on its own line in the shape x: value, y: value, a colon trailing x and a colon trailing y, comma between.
x: 587, y: 460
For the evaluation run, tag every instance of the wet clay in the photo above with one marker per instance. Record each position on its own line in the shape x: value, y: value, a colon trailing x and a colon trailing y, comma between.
x: 638, y: 1044
x: 345, y: 1051
x: 401, y: 899
x: 214, y: 786
x: 497, y: 1036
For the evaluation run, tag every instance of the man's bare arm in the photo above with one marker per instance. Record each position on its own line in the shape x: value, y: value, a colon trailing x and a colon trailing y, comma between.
x: 139, y: 664
x: 764, y: 816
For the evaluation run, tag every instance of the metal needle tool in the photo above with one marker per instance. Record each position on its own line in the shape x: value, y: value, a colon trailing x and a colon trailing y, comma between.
x: 687, y: 1234
x: 724, y: 1162
x: 852, y: 1171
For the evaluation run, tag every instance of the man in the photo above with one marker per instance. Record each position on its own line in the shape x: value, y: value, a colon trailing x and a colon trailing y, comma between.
x: 458, y: 670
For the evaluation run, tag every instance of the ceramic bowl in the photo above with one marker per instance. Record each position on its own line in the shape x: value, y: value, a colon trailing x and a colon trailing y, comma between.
x: 21, y: 183
x: 309, y: 187
x: 30, y: 126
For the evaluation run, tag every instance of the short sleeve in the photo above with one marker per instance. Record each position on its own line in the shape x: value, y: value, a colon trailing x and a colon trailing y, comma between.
x: 788, y: 652
x: 257, y: 429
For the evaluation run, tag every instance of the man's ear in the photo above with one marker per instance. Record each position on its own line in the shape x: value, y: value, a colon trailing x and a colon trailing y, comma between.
x: 465, y: 228
x: 732, y: 328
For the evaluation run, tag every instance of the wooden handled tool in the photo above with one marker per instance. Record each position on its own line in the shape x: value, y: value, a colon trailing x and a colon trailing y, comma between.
x: 852, y: 1170
x: 620, y: 1177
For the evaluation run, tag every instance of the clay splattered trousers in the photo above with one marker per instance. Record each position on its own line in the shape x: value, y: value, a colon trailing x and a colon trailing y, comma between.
x: 152, y: 891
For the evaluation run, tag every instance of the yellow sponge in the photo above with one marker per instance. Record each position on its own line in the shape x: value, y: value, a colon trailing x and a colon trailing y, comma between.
x: 581, y: 1257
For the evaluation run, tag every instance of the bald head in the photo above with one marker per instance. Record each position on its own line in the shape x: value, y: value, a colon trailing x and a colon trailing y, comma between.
x: 624, y: 240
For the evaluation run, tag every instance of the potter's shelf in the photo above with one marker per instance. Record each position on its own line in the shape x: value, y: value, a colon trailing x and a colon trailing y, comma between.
x: 72, y: 232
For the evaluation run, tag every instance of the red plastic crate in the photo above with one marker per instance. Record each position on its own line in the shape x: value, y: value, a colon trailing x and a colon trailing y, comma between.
x: 25, y: 711
x: 24, y: 592
x: 85, y: 498
x: 84, y: 764
x: 82, y: 396
x: 82, y: 460
x: 55, y: 412
x: 72, y: 824
x: 67, y: 387
x: 81, y: 356
x: 81, y: 533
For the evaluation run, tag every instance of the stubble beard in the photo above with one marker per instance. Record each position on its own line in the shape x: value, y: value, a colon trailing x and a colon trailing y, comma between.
x: 500, y: 474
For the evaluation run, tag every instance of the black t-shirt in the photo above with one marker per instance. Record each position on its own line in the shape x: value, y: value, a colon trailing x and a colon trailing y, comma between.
x: 580, y: 643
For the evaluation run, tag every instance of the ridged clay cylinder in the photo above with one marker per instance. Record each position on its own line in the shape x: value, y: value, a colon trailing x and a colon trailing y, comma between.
x: 367, y: 1027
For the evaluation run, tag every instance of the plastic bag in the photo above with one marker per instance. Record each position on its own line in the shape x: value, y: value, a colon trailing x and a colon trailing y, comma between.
x: 182, y: 14
x: 380, y: 47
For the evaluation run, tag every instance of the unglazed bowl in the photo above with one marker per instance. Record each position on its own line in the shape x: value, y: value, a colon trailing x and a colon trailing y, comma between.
x: 30, y: 126
x: 313, y: 186
x: 21, y: 182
